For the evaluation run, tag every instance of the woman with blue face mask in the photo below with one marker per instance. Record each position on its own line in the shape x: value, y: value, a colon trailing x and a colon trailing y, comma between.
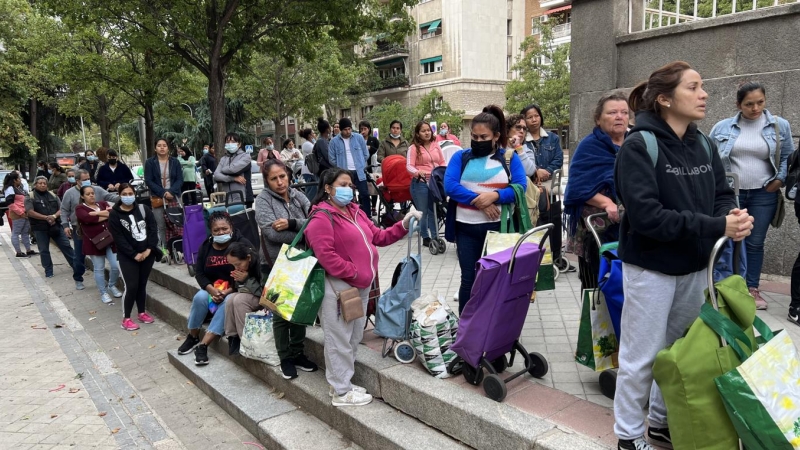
x: 136, y: 236
x: 234, y: 168
x: 213, y: 273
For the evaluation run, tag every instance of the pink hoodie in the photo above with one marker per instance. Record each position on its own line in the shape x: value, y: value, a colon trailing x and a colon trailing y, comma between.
x: 347, y: 249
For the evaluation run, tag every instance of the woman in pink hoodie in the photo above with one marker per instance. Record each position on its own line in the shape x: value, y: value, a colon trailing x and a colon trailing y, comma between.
x: 345, y: 242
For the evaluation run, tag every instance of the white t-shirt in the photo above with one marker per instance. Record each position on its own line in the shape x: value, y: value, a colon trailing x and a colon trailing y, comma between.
x: 351, y: 165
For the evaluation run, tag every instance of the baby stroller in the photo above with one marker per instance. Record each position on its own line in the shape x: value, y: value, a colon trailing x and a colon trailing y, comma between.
x: 195, y: 231
x: 436, y: 189
x: 396, y: 189
x: 492, y: 320
x: 393, y: 313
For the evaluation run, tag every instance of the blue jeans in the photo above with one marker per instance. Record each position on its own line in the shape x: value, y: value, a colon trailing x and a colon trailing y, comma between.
x: 469, y: 246
x: 363, y: 193
x: 79, y: 263
x: 199, y: 312
x: 61, y: 241
x: 311, y: 191
x: 424, y: 203
x: 761, y: 205
x: 99, y: 264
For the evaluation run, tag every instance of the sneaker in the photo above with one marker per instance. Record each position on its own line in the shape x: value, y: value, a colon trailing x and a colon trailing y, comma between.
x: 49, y: 276
x: 105, y: 298
x: 761, y: 304
x: 794, y: 316
x: 114, y: 291
x: 352, y: 398
x: 79, y: 285
x: 188, y: 345
x: 304, y: 364
x: 635, y: 444
x: 201, y: 355
x: 32, y: 253
x: 234, y: 343
x: 353, y: 387
x: 129, y: 325
x: 288, y: 370
x: 145, y: 318
x: 660, y: 437
x: 426, y: 242
x: 21, y: 255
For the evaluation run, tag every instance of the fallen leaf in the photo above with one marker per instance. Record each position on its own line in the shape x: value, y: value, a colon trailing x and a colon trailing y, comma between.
x: 92, y: 318
x: 115, y: 348
x: 59, y: 325
x: 102, y: 414
x: 115, y: 431
x: 152, y: 346
x: 132, y: 396
x: 190, y: 383
x: 79, y: 376
x: 92, y: 312
x: 135, y: 333
x: 280, y: 395
x: 60, y: 387
x: 36, y: 327
x: 178, y: 337
x: 53, y: 416
x: 26, y: 418
x: 73, y: 390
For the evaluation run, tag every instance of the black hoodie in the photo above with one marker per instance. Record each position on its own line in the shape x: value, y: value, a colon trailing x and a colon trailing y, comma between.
x: 212, y: 264
x: 675, y: 212
x: 133, y: 231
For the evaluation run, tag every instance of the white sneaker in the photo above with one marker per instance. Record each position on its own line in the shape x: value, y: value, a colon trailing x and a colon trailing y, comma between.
x: 636, y: 444
x: 358, y: 389
x: 114, y: 291
x: 351, y: 398
x: 105, y: 298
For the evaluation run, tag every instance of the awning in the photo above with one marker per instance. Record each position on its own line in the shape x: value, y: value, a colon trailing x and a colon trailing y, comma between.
x: 434, y: 26
x: 557, y: 10
x: 430, y: 60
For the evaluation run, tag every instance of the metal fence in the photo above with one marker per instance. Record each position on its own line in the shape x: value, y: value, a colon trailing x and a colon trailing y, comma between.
x: 664, y: 13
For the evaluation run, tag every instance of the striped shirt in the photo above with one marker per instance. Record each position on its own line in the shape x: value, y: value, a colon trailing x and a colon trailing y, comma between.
x: 481, y: 175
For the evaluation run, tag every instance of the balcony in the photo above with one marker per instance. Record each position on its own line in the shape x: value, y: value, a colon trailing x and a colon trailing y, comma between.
x: 385, y: 53
x: 562, y: 31
x: 549, y: 4
x: 392, y: 82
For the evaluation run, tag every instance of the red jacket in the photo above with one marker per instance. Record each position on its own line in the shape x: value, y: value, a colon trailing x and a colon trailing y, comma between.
x: 91, y: 227
x: 346, y: 248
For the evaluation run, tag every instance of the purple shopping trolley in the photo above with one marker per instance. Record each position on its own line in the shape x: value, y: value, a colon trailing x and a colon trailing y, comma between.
x: 492, y: 320
x: 194, y: 232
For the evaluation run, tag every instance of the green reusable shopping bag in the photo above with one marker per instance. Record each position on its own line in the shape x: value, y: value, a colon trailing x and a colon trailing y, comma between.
x: 597, y: 341
x: 686, y: 370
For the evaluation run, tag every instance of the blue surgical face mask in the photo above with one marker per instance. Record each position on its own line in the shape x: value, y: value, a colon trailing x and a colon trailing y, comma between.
x: 127, y: 199
x: 205, y: 150
x: 92, y: 158
x: 222, y: 238
x: 443, y: 131
x: 271, y: 147
x: 231, y: 147
x: 49, y: 172
x: 343, y: 196
x: 71, y: 180
x: 86, y: 183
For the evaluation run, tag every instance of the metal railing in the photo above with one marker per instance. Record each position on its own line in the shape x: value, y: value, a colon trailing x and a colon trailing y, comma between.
x: 563, y: 30
x: 663, y: 13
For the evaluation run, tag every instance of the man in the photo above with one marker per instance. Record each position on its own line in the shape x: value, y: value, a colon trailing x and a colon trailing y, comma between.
x: 57, y: 177
x: 72, y: 198
x: 43, y: 210
x: 444, y: 134
x: 320, y: 150
x: 337, y: 128
x: 67, y: 184
x: 113, y: 173
x: 90, y: 165
x: 349, y: 151
x: 208, y: 164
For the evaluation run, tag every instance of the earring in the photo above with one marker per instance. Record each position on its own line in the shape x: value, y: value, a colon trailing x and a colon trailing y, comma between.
x: 668, y: 105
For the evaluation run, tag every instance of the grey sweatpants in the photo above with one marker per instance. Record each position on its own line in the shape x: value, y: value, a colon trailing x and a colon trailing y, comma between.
x: 657, y: 310
x: 341, y: 338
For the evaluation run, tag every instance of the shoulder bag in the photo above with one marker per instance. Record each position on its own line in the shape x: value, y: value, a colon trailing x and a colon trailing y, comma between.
x: 780, y: 211
x: 156, y: 201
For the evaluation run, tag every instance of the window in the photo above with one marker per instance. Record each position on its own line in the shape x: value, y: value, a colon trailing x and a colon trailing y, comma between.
x: 431, y: 65
x: 436, y: 103
x: 365, y: 110
x: 508, y: 27
x: 391, y: 72
x: 431, y: 29
x: 508, y: 63
x: 345, y: 113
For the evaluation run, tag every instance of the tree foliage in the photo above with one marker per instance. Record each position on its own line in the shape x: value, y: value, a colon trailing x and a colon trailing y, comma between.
x: 429, y: 109
x: 543, y: 78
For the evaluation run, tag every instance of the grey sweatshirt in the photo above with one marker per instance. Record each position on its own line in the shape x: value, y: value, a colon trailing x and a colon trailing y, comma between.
x: 270, y: 207
x: 72, y: 198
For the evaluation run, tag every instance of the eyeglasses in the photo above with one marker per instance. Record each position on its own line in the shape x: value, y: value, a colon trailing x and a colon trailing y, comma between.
x: 520, y: 127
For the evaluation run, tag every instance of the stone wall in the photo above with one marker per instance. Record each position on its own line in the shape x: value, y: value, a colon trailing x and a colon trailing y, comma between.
x: 762, y: 45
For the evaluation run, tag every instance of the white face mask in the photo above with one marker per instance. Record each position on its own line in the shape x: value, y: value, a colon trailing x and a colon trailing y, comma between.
x: 231, y: 147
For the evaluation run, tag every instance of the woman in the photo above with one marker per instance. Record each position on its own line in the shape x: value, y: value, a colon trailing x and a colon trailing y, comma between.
x: 57, y: 177
x: 591, y: 189
x: 233, y: 170
x: 67, y: 184
x: 247, y: 285
x: 291, y: 156
x: 394, y: 144
x: 517, y: 129
x: 281, y: 212
x: 308, y: 148
x: 136, y: 237
x: 93, y: 221
x: 189, y: 172
x: 20, y: 226
x: 91, y: 165
x: 667, y: 233
x: 214, y: 274
x: 267, y: 152
x: 445, y: 135
x: 423, y: 156
x: 164, y: 179
x: 747, y: 144
x: 476, y: 200
x: 344, y: 239
x: 545, y: 147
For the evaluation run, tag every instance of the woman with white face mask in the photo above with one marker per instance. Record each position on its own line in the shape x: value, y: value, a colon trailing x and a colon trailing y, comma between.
x: 233, y: 170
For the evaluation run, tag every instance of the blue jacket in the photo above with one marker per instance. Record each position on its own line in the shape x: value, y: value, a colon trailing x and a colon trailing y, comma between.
x: 727, y: 131
x: 152, y: 177
x: 457, y: 192
x: 549, y: 154
x: 358, y: 147
x: 121, y: 174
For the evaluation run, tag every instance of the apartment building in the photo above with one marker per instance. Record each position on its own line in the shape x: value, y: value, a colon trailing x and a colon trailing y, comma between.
x: 557, y: 13
x: 462, y: 48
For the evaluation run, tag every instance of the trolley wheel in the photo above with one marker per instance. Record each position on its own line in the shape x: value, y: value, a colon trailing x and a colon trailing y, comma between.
x: 404, y: 352
x: 442, y: 245
x: 456, y: 366
x: 191, y: 270
x: 179, y: 257
x: 433, y: 247
x: 556, y: 272
x: 538, y: 367
x: 562, y: 264
x: 500, y: 364
x: 495, y: 387
x: 473, y: 375
x: 608, y: 383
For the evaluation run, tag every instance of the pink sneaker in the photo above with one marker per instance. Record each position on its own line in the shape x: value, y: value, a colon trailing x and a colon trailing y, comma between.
x: 761, y: 304
x: 129, y: 325
x: 146, y: 318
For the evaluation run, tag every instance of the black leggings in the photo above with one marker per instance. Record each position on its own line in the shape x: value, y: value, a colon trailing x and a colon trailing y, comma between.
x: 135, y: 275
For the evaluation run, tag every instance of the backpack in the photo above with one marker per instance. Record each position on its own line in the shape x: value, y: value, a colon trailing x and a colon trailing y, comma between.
x: 652, y: 145
x: 793, y: 174
x: 312, y: 163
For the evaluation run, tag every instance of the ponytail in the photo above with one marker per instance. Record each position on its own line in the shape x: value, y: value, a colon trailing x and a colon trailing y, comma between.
x: 636, y: 97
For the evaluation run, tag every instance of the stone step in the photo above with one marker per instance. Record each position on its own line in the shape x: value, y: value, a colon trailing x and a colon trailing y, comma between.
x: 377, y: 425
x: 463, y: 414
x: 276, y: 422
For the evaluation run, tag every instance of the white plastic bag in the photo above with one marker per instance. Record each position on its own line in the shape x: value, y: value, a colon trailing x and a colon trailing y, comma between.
x: 258, y: 341
x: 433, y: 330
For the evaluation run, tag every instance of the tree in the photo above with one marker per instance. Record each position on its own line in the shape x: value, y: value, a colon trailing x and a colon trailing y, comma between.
x: 384, y: 113
x: 543, y: 78
x: 433, y: 109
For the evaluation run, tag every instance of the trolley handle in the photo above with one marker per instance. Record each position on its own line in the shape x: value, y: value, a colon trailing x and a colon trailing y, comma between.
x: 413, y: 221
x: 590, y: 226
x: 556, y: 186
x: 548, y: 227
x: 195, y: 191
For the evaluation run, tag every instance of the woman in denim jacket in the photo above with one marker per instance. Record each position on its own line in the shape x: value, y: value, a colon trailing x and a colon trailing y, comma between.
x: 543, y: 146
x: 747, y: 144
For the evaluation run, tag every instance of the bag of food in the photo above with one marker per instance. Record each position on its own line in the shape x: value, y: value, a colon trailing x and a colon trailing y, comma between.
x: 433, y: 330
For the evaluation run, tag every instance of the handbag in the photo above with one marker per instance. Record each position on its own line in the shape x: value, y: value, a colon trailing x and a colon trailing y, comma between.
x: 350, y: 305
x: 156, y: 201
x: 103, y: 240
x: 780, y: 211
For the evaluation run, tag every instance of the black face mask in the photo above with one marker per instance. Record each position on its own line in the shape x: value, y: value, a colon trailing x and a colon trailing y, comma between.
x: 112, y: 162
x: 482, y: 148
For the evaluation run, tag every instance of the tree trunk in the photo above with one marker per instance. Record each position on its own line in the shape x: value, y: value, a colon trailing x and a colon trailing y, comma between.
x: 149, y: 129
x: 102, y: 120
x: 216, y: 101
